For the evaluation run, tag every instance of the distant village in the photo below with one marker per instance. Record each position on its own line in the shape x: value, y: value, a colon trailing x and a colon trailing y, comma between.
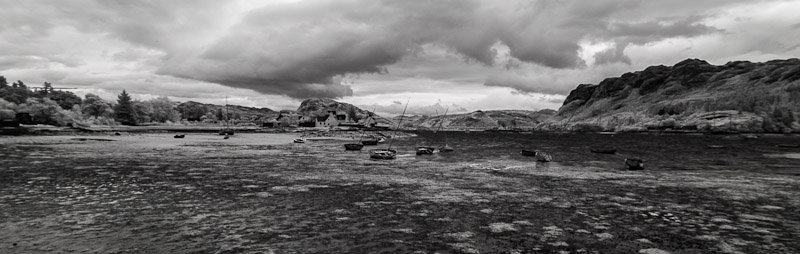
x: 332, y: 119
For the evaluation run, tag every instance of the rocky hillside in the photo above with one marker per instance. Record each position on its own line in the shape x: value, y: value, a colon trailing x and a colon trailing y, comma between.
x: 196, y: 110
x: 481, y: 120
x: 321, y: 107
x: 691, y: 95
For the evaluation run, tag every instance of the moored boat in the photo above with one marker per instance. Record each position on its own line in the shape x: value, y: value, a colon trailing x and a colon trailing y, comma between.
x: 353, y: 147
x: 424, y: 150
x: 180, y: 136
x: 369, y: 142
x: 446, y: 148
x: 603, y: 150
x: 383, y: 154
x: 388, y: 153
x: 634, y: 164
x: 299, y: 140
x: 540, y: 156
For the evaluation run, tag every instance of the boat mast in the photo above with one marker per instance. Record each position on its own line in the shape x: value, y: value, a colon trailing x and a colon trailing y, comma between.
x: 394, y: 135
x: 442, y: 123
x: 367, y: 122
x: 227, y: 120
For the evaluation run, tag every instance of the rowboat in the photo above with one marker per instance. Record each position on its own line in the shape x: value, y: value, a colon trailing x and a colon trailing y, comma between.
x: 634, y: 164
x: 383, y: 154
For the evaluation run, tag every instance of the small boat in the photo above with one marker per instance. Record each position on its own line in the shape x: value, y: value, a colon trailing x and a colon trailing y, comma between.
x: 423, y: 150
x: 226, y: 136
x: 388, y: 153
x: 381, y: 140
x: 353, y: 147
x: 180, y: 136
x: 227, y: 131
x: 383, y: 154
x: 370, y: 142
x: 634, y: 164
x: 117, y: 134
x: 603, y: 150
x: 715, y: 146
x: 299, y: 140
x: 540, y: 156
x: 446, y: 149
x: 789, y: 145
x: 527, y: 152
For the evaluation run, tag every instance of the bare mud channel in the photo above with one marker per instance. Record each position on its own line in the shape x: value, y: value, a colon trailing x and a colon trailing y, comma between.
x: 259, y: 193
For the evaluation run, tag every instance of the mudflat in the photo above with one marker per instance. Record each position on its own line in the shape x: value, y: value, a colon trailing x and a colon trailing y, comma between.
x: 260, y: 193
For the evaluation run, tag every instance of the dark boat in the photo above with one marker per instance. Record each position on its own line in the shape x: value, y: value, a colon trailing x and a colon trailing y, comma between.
x: 370, y: 142
x: 383, y: 154
x: 299, y: 140
x: 358, y: 146
x: 527, y: 152
x: 353, y: 147
x: 424, y: 150
x: 788, y: 145
x: 180, y: 136
x: 446, y: 148
x: 227, y: 131
x: 603, y: 150
x: 226, y: 136
x: 634, y: 164
x: 540, y: 156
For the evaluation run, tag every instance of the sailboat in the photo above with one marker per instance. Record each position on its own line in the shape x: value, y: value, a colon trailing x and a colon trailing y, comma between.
x: 227, y: 130
x: 388, y: 153
x: 446, y: 147
x: 358, y: 146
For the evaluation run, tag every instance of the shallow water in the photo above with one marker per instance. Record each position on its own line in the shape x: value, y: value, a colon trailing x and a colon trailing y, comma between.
x: 660, y: 152
x: 259, y: 193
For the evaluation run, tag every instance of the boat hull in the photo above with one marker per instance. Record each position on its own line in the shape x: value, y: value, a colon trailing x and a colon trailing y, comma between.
x: 634, y: 164
x: 425, y: 150
x: 370, y: 142
x: 383, y: 154
x: 603, y: 150
x: 353, y: 147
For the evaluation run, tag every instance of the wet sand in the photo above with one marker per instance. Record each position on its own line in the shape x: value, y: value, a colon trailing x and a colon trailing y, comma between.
x: 259, y: 193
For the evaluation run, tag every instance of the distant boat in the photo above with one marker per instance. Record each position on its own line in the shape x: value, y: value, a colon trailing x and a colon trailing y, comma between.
x: 226, y: 136
x: 540, y: 156
x: 370, y: 142
x: 383, y: 154
x: 634, y: 164
x: 180, y: 136
x: 358, y: 146
x: 603, y: 150
x: 715, y: 146
x: 353, y: 147
x: 446, y: 148
x: 425, y: 150
x: 789, y: 145
x: 388, y: 153
x: 227, y: 130
x: 299, y: 140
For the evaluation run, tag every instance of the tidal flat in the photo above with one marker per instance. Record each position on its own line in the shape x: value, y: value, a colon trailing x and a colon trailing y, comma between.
x: 260, y: 193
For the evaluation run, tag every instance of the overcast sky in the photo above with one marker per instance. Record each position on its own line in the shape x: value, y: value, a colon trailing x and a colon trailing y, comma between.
x: 462, y: 54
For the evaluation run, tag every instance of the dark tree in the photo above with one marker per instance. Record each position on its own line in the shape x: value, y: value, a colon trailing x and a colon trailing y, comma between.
x: 19, y: 84
x: 351, y: 112
x: 3, y: 82
x: 64, y: 99
x: 124, y: 111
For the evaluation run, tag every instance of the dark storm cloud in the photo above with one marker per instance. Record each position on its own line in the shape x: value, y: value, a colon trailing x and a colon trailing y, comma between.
x: 527, y: 85
x: 302, y: 49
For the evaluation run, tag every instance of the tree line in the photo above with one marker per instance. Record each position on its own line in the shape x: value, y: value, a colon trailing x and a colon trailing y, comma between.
x: 48, y: 105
